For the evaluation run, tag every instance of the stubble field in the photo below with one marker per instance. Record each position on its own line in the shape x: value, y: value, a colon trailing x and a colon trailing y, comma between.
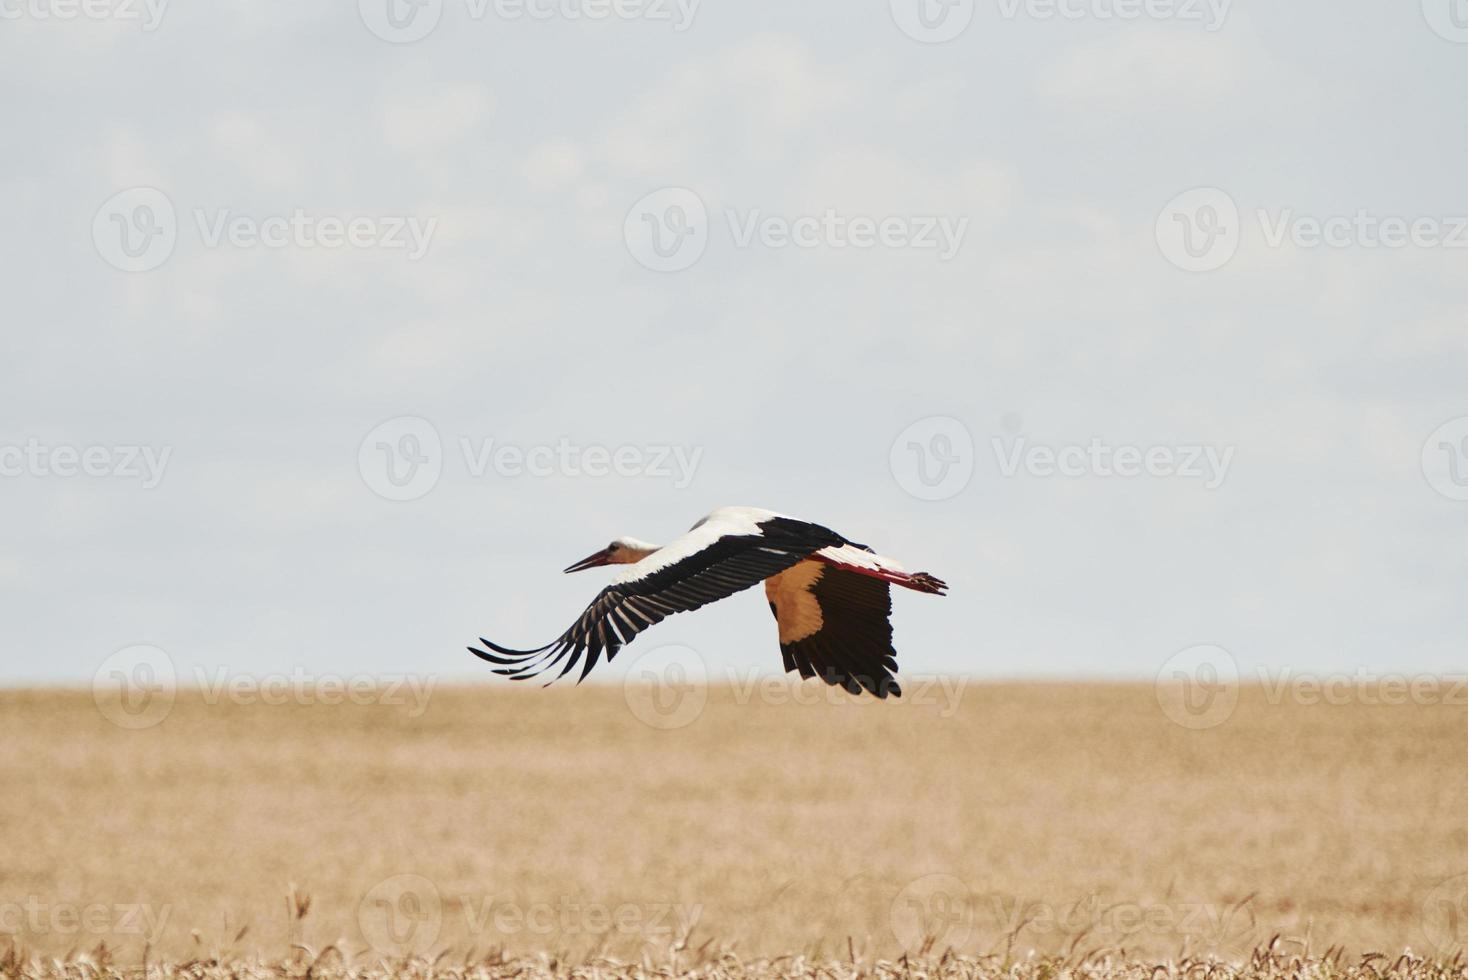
x: 1076, y: 821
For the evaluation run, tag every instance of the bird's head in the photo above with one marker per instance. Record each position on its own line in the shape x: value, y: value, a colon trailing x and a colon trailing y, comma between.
x: 622, y: 551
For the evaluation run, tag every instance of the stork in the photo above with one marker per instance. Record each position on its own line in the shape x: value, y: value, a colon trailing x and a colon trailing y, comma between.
x: 830, y: 597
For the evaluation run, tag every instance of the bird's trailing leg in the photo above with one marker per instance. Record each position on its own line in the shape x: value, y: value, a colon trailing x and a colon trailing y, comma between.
x: 854, y: 559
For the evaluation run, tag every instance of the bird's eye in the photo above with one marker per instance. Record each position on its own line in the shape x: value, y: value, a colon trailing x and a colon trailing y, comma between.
x: 613, y: 546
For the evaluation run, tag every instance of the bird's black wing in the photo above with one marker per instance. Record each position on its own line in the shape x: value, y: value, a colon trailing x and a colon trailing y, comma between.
x: 835, y: 624
x: 699, y: 568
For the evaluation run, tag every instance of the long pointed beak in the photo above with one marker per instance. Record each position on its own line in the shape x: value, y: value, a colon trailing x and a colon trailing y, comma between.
x: 591, y: 561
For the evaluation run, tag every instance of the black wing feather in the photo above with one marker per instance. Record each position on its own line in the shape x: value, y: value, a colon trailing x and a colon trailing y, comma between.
x: 620, y: 612
x: 853, y: 648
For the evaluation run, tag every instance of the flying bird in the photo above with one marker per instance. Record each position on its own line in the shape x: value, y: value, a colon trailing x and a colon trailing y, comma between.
x: 830, y: 597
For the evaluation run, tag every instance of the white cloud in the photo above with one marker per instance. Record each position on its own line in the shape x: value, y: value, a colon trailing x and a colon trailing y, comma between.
x: 1149, y: 71
x: 551, y: 165
x: 420, y: 118
x: 253, y: 147
x: 758, y: 96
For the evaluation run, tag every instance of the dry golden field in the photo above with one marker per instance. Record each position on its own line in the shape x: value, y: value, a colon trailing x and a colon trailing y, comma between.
x: 1068, y: 820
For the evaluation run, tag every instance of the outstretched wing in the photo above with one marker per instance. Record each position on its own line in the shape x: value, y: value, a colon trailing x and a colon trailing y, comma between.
x: 725, y: 554
x: 834, y: 624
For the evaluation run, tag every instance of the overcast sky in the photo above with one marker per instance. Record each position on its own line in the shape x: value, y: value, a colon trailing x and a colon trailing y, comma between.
x: 284, y: 279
